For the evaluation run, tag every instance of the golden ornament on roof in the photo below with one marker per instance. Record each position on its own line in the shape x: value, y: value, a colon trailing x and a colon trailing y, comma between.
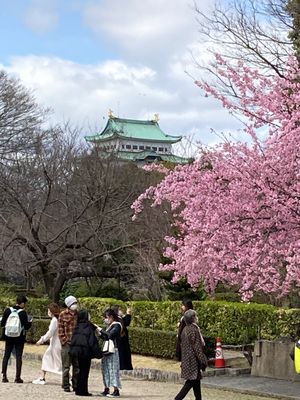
x: 156, y: 117
x: 110, y: 114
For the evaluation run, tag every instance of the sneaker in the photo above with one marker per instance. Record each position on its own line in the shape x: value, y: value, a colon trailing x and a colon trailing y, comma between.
x: 105, y: 392
x: 115, y: 393
x: 39, y: 381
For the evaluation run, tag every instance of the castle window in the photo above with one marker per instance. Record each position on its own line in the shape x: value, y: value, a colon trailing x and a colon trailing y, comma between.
x: 123, y: 146
x: 128, y: 146
x: 148, y: 148
x: 160, y: 149
x: 141, y: 147
x: 134, y: 147
x: 154, y: 148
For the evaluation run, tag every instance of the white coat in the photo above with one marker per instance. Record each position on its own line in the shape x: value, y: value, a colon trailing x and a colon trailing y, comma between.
x: 51, y: 361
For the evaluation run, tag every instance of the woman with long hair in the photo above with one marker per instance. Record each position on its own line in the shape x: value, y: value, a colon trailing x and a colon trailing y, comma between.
x: 51, y: 361
x: 110, y: 362
x: 124, y: 345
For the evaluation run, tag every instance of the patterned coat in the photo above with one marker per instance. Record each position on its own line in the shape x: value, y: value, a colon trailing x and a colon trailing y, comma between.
x: 191, y: 352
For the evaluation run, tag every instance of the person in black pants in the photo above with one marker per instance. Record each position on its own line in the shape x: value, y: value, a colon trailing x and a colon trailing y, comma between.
x: 16, y: 343
x: 84, y: 346
x: 124, y: 345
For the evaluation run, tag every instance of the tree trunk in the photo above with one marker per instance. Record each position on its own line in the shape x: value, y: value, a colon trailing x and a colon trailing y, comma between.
x: 57, y: 288
x: 53, y: 281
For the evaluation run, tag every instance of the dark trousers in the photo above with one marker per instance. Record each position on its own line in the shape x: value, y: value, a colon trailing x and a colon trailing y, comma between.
x: 67, y: 362
x: 9, y: 346
x: 83, y: 376
x: 189, y: 384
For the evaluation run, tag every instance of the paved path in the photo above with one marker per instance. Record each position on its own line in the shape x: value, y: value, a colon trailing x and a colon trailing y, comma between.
x: 275, y: 388
x: 132, y: 389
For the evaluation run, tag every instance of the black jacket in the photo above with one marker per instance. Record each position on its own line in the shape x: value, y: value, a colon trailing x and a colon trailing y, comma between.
x: 24, y: 323
x: 84, y: 343
x: 124, y: 346
x: 113, y: 332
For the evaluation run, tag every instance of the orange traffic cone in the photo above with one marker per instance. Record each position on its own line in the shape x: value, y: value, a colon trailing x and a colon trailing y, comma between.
x: 219, y: 360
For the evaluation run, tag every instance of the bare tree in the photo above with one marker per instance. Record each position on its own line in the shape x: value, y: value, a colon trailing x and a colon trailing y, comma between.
x: 21, y: 120
x: 64, y: 209
x: 262, y: 33
x: 68, y: 210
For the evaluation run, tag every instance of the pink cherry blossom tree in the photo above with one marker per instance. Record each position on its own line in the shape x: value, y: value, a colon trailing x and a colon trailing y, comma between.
x: 236, y: 209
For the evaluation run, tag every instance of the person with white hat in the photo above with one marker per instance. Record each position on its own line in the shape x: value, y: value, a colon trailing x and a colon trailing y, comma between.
x: 66, y: 324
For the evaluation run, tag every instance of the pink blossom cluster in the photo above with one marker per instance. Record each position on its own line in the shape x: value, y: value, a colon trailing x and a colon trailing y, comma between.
x: 156, y: 167
x: 237, y: 209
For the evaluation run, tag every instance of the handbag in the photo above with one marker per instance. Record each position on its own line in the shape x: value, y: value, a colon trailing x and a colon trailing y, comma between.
x: 108, y: 347
x: 203, y: 362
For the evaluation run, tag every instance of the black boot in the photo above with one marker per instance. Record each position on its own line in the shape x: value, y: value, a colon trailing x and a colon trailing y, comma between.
x: 4, y: 378
x: 18, y: 371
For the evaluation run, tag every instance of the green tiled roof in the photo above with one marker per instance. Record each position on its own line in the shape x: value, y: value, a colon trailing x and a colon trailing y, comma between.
x: 151, y: 155
x: 133, y: 129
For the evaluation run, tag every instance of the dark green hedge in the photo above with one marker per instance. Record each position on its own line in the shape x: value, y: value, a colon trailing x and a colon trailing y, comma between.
x: 39, y: 328
x: 143, y: 341
x: 150, y: 342
x: 36, y: 307
x: 236, y: 323
x: 96, y: 306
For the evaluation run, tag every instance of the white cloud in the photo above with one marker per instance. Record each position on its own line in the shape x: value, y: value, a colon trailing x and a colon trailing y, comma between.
x: 42, y: 16
x: 84, y: 93
x: 145, y: 30
x: 156, y: 38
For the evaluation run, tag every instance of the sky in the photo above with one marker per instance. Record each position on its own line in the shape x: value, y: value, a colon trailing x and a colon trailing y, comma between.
x: 84, y: 57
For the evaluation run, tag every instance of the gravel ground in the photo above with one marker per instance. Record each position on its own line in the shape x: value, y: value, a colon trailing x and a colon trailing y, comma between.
x: 132, y: 389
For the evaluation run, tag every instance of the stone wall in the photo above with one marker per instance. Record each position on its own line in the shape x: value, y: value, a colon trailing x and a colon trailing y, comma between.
x: 272, y: 359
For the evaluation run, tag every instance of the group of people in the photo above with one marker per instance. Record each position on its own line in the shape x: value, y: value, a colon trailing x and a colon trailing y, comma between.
x: 73, y: 343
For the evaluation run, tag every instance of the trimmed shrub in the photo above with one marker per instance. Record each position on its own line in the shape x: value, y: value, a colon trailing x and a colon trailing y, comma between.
x: 151, y: 342
x: 155, y: 343
x: 96, y: 307
x: 146, y: 342
x: 162, y: 315
x: 235, y: 323
x: 36, y: 307
x: 39, y: 328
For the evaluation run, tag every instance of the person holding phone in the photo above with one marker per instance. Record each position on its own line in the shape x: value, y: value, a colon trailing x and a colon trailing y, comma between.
x: 110, y: 362
x: 124, y: 345
x: 15, y: 323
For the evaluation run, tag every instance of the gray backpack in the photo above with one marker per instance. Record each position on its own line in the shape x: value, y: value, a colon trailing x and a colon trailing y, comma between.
x: 13, y: 327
